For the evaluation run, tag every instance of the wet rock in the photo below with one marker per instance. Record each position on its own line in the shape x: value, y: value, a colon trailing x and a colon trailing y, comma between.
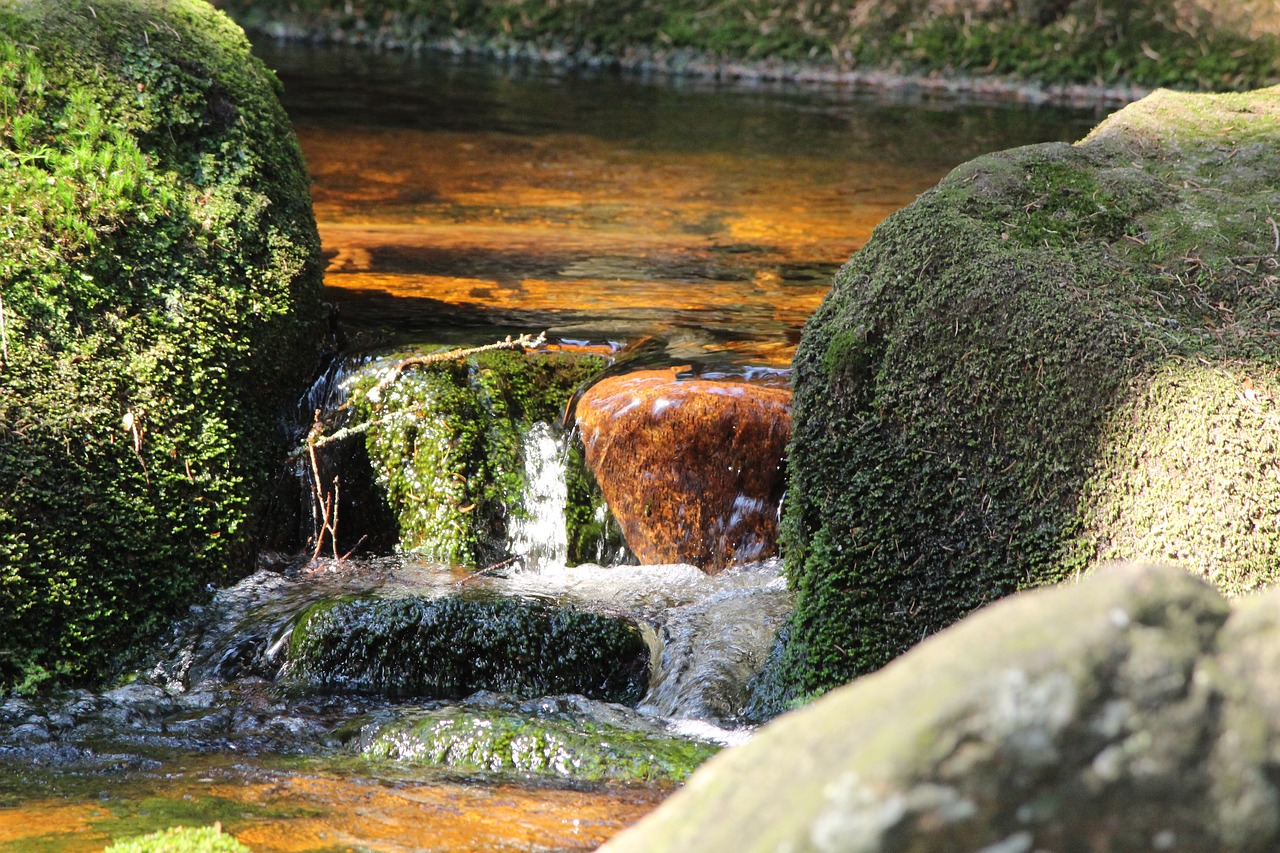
x: 1059, y: 356
x: 565, y: 737
x: 449, y: 647
x: 692, y: 469
x: 1131, y: 711
x: 446, y: 448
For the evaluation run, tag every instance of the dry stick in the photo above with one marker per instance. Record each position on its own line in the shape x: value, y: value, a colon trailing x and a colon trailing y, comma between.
x: 1275, y: 231
x: 522, y: 342
x: 4, y: 336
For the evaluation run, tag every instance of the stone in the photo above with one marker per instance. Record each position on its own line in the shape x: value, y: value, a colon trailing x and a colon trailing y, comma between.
x: 448, y: 647
x: 693, y: 469
x: 1135, y: 710
x: 1061, y: 355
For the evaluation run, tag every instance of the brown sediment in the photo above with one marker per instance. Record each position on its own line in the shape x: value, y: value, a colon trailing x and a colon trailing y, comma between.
x: 692, y: 469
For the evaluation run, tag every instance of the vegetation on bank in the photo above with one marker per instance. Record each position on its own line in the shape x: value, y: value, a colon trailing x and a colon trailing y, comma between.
x: 1202, y: 44
x: 159, y: 285
x: 208, y: 839
x: 1061, y: 355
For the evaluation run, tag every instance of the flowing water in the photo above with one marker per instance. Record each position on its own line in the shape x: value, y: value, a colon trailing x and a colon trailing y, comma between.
x: 657, y: 222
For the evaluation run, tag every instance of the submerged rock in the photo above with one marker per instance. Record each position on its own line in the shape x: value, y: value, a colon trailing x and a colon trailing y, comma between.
x: 451, y: 646
x: 563, y: 737
x: 1132, y: 711
x: 1062, y: 354
x: 692, y: 469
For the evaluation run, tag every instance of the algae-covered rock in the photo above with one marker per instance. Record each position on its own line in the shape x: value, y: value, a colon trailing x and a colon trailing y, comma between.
x: 159, y: 284
x: 452, y: 646
x: 1131, y: 711
x: 550, y: 737
x: 447, y: 446
x: 1060, y: 355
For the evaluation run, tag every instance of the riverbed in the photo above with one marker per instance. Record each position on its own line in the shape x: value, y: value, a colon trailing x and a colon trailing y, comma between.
x: 663, y: 222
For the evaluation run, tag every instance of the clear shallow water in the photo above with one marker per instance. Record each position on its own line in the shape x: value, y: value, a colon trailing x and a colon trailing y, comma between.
x: 685, y: 224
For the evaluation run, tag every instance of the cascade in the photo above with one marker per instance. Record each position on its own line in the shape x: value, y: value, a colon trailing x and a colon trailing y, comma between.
x: 537, y: 530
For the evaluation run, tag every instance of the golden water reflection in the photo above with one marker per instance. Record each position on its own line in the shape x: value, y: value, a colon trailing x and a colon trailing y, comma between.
x: 591, y: 238
x: 272, y: 811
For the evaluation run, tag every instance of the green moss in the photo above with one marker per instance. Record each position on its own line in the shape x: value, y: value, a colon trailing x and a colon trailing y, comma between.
x: 160, y: 270
x: 451, y: 647
x: 507, y: 743
x: 447, y: 447
x: 207, y: 839
x: 1061, y: 354
x: 1107, y: 42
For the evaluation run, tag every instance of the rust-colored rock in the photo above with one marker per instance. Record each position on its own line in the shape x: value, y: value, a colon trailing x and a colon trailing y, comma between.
x: 692, y: 469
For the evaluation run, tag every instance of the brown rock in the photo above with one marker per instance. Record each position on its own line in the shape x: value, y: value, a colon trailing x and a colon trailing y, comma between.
x: 692, y: 469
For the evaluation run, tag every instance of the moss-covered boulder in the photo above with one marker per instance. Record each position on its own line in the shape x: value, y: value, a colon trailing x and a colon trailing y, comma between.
x: 531, y: 742
x: 446, y: 447
x: 1208, y: 44
x: 1135, y: 710
x: 1061, y: 354
x: 450, y: 647
x: 159, y: 285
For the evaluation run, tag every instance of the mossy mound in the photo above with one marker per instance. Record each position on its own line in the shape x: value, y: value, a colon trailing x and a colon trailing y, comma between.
x: 1203, y: 44
x: 207, y: 839
x: 160, y: 278
x: 450, y: 647
x: 446, y: 449
x: 1062, y: 354
x: 502, y: 742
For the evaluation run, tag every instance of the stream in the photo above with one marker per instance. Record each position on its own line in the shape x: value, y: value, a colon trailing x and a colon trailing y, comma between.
x: 669, y: 225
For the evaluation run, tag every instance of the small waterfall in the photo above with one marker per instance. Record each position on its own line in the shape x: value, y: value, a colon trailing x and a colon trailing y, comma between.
x: 537, y: 532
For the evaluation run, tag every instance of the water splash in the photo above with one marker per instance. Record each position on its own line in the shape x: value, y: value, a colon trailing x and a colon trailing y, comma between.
x: 538, y: 534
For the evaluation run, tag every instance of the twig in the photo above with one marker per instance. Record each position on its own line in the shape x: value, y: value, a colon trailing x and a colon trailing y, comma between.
x: 486, y: 570
x: 1275, y: 232
x: 522, y: 342
x: 4, y: 337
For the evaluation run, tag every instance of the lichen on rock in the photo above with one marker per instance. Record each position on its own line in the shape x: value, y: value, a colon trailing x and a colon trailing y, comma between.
x: 1060, y: 355
x: 159, y: 284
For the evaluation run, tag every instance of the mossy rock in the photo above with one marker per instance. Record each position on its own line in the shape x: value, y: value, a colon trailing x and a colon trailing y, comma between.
x: 161, y: 292
x: 450, y: 647
x: 508, y: 743
x: 446, y: 449
x: 208, y: 839
x: 1062, y: 354
x: 1202, y: 44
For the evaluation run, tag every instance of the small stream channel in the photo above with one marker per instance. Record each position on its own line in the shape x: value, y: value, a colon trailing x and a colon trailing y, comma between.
x: 662, y: 224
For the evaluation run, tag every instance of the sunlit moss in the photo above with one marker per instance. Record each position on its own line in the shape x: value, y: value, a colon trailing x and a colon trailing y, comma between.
x: 1060, y: 355
x: 446, y: 448
x: 504, y: 743
x: 160, y: 287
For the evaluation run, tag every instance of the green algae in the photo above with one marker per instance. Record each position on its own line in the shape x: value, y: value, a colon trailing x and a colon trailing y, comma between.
x: 508, y: 743
x: 446, y: 449
x: 208, y: 839
x: 160, y: 291
x: 453, y: 646
x: 1060, y: 355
